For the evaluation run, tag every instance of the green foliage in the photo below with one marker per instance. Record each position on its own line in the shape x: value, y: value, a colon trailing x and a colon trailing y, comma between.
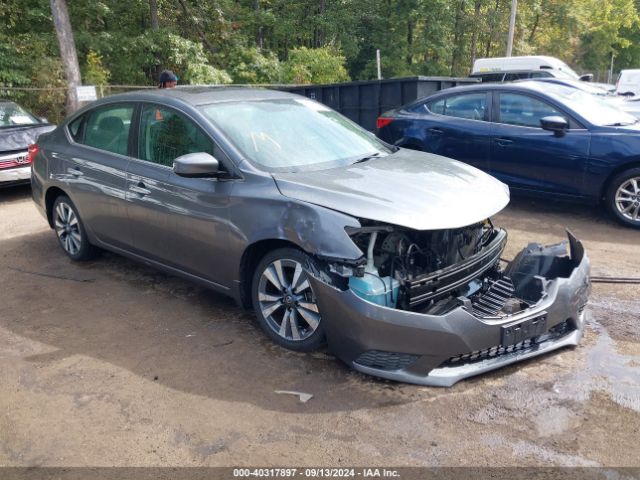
x: 606, y: 23
x: 307, y: 41
x: 315, y: 65
x: 93, y: 72
x: 185, y: 57
x: 249, y: 65
x: 13, y: 71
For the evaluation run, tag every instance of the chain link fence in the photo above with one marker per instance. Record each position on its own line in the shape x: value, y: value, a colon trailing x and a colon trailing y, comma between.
x: 49, y: 102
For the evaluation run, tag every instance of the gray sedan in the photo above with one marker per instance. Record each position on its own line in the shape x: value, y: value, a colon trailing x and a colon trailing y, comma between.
x: 330, y: 235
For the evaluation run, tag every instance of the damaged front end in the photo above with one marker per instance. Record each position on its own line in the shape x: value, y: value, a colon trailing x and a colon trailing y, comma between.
x: 434, y: 307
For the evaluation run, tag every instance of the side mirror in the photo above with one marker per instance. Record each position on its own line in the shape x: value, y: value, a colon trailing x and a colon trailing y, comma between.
x: 555, y: 124
x: 196, y: 165
x: 43, y: 120
x: 587, y: 77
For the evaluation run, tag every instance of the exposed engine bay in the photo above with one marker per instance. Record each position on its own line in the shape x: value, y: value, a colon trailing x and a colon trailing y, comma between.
x: 433, y: 272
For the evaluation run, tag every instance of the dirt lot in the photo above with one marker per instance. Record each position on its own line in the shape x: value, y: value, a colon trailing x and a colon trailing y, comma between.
x: 121, y: 365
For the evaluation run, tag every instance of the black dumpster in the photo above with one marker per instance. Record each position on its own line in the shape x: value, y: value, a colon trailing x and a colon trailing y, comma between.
x: 365, y: 100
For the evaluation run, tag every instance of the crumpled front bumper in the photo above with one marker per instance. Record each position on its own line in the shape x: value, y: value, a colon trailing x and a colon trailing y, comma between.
x: 440, y: 350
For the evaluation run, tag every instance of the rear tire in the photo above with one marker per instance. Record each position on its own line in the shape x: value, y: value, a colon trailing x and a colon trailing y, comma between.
x: 285, y: 302
x: 70, y: 230
x: 623, y: 197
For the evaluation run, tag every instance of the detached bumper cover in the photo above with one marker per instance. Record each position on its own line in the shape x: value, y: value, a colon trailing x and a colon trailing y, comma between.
x: 15, y: 175
x: 440, y: 350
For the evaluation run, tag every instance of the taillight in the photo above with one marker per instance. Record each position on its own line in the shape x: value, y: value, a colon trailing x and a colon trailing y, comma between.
x: 382, y: 122
x: 31, y: 152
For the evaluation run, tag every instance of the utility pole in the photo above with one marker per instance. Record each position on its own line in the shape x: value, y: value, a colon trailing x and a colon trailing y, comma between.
x: 610, y: 78
x: 512, y: 26
x: 378, y: 64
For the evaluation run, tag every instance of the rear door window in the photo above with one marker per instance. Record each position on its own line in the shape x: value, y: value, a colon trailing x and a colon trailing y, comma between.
x: 108, y: 128
x: 472, y: 106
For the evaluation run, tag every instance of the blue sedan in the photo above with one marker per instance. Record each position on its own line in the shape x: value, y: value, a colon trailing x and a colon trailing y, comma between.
x: 539, y: 138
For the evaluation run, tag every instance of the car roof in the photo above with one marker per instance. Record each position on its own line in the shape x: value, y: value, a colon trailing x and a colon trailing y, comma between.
x: 523, y: 85
x: 525, y: 62
x: 202, y: 95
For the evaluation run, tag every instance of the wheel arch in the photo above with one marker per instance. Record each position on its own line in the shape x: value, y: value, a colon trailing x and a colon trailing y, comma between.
x: 49, y: 199
x: 616, y: 171
x: 251, y: 258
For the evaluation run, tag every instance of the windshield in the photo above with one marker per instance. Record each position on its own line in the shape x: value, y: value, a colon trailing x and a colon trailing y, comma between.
x: 12, y: 115
x: 566, y: 71
x: 594, y: 109
x: 293, y: 134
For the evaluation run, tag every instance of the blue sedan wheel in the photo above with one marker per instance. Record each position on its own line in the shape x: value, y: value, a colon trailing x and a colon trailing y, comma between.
x: 623, y: 197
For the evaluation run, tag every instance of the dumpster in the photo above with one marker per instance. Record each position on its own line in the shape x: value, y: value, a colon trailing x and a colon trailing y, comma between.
x: 364, y: 101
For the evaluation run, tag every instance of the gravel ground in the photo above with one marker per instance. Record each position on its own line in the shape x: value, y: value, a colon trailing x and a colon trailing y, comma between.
x: 120, y: 365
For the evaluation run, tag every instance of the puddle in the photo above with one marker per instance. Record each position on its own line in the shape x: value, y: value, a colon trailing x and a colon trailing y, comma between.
x: 604, y: 367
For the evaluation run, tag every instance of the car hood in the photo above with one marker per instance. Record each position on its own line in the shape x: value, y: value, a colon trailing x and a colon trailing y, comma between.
x: 20, y: 137
x: 408, y: 188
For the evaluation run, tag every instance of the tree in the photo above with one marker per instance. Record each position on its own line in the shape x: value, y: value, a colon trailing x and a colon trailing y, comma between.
x: 68, y: 53
x: 153, y: 14
x: 315, y: 65
x: 272, y: 41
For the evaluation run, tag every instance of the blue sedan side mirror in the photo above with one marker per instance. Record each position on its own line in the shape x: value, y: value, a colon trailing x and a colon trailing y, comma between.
x: 557, y: 125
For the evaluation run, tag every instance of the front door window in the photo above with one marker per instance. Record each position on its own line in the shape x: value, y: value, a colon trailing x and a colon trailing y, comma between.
x: 166, y: 135
x: 523, y: 110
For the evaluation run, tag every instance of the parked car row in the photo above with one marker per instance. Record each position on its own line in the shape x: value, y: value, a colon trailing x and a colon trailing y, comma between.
x: 509, y: 69
x: 540, y: 138
x: 331, y: 235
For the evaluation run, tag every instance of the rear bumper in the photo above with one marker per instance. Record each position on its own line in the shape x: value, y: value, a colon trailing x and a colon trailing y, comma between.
x: 440, y: 350
x: 15, y: 175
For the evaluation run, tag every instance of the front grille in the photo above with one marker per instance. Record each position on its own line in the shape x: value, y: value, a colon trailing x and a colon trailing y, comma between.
x: 490, y: 304
x: 438, y: 284
x: 386, y: 360
x: 557, y: 331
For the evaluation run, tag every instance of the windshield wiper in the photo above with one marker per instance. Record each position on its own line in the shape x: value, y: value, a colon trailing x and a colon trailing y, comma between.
x: 369, y: 156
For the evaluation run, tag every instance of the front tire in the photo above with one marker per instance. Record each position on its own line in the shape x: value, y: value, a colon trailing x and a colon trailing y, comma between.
x: 70, y: 231
x: 623, y: 197
x: 285, y: 302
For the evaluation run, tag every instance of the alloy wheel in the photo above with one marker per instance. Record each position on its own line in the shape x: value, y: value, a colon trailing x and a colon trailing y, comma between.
x: 627, y: 199
x: 287, y: 301
x: 67, y: 228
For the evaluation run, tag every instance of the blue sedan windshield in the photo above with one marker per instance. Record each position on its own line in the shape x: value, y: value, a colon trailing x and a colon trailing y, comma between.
x: 293, y: 134
x: 592, y: 108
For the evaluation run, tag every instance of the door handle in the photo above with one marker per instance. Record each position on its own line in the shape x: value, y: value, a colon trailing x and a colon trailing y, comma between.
x: 140, y: 189
x: 503, y: 142
x: 75, y: 171
x: 436, y: 131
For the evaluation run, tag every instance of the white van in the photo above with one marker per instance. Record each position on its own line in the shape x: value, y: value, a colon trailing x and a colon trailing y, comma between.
x: 505, y: 69
x: 628, y: 82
